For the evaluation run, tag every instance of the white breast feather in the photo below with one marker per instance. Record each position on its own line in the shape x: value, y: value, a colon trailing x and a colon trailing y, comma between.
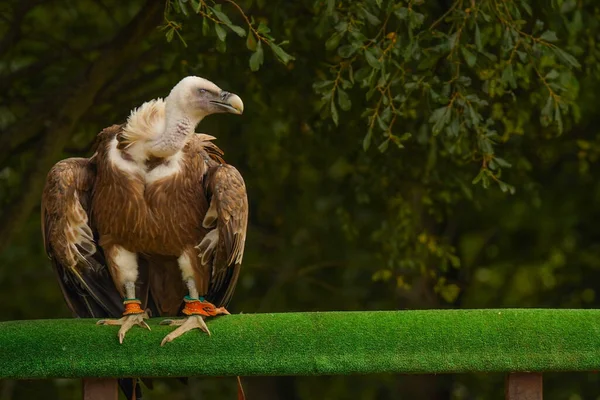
x: 170, y: 167
x: 143, y: 125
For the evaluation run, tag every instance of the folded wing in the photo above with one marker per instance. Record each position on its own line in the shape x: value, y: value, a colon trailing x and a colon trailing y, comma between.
x: 69, y: 240
x: 222, y: 249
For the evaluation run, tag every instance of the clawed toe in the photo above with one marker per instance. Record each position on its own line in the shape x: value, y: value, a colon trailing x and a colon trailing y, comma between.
x: 172, y: 322
x: 126, y: 323
x: 187, y: 324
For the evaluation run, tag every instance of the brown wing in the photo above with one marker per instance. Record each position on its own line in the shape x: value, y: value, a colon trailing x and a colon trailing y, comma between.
x: 69, y: 239
x: 223, y: 248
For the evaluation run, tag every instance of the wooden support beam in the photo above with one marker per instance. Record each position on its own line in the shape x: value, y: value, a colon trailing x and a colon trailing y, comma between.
x: 524, y: 386
x: 100, y: 389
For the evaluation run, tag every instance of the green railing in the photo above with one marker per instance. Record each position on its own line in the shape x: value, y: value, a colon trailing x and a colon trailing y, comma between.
x: 328, y: 343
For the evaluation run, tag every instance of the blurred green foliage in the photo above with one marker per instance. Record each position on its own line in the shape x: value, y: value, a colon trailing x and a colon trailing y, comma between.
x: 397, y: 154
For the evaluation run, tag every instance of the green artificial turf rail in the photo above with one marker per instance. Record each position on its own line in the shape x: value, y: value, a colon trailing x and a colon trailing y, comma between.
x: 432, y: 341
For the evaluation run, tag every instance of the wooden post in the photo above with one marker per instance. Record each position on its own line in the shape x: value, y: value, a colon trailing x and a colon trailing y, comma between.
x: 100, y: 389
x: 523, y: 386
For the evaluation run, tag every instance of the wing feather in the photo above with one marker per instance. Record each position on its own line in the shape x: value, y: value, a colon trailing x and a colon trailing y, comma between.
x: 227, y: 193
x: 69, y: 241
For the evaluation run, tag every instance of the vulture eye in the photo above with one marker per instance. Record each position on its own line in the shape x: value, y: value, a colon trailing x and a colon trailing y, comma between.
x: 202, y: 91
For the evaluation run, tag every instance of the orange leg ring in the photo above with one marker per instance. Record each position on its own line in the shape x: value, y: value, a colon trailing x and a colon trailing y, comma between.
x: 132, y: 306
x: 197, y: 307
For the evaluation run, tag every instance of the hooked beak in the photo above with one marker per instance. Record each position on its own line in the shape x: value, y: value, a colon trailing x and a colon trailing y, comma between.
x: 229, y: 102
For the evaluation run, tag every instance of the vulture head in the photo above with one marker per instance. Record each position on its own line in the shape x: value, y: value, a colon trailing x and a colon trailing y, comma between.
x: 192, y: 99
x: 197, y: 97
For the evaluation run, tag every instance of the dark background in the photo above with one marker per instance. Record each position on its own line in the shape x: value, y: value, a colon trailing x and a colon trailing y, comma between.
x: 333, y: 226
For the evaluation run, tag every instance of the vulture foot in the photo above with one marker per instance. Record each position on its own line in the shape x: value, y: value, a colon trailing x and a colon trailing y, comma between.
x: 184, y: 325
x: 126, y: 323
x: 197, y: 310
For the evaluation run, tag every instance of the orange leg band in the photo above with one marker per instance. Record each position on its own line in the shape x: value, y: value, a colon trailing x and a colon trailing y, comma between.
x: 132, y: 306
x: 197, y: 307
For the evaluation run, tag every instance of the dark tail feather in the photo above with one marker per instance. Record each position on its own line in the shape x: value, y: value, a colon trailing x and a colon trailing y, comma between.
x: 130, y: 388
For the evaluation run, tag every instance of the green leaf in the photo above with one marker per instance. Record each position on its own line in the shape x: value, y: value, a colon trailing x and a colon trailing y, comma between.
x: 478, y: 177
x: 257, y: 58
x: 330, y: 7
x: 346, y: 51
x: 439, y: 118
x: 373, y: 20
x: 170, y: 34
x: 508, y: 76
x: 502, y: 162
x: 398, y: 140
x: 539, y: 25
x: 251, y: 41
x: 485, y: 145
x: 382, y: 125
x: 454, y: 128
x: 416, y: 19
x: 566, y: 57
x: 452, y: 40
x: 341, y: 26
x: 367, y: 139
x: 362, y: 74
x: 386, y: 115
x: 553, y: 74
x: 220, y: 15
x: 359, y: 37
x: 371, y: 91
x: 470, y: 58
x: 195, y: 5
x: 343, y: 100
x: 546, y: 115
x: 205, y: 27
x: 221, y: 33
x: 334, y: 113
x: 384, y: 145
x: 526, y: 7
x: 475, y: 116
x: 478, y: 42
x: 280, y: 53
x: 549, y: 36
x: 455, y: 261
x: 401, y: 13
x: 221, y: 46
x: 558, y: 119
x: 183, y: 7
x: 333, y: 41
x: 225, y: 19
x: 505, y: 187
x: 262, y: 28
x: 322, y: 85
x: 427, y: 63
x: 238, y: 30
x: 372, y: 58
x: 405, y: 136
x: 450, y: 293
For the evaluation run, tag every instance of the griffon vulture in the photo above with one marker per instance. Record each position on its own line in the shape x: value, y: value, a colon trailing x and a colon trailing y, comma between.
x: 153, y: 215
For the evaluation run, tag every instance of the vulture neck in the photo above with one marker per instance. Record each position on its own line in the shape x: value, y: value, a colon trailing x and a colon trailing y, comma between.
x: 179, y: 126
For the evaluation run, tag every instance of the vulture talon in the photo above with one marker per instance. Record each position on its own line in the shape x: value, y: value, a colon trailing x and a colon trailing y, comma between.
x: 184, y: 325
x: 171, y: 322
x: 126, y: 323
